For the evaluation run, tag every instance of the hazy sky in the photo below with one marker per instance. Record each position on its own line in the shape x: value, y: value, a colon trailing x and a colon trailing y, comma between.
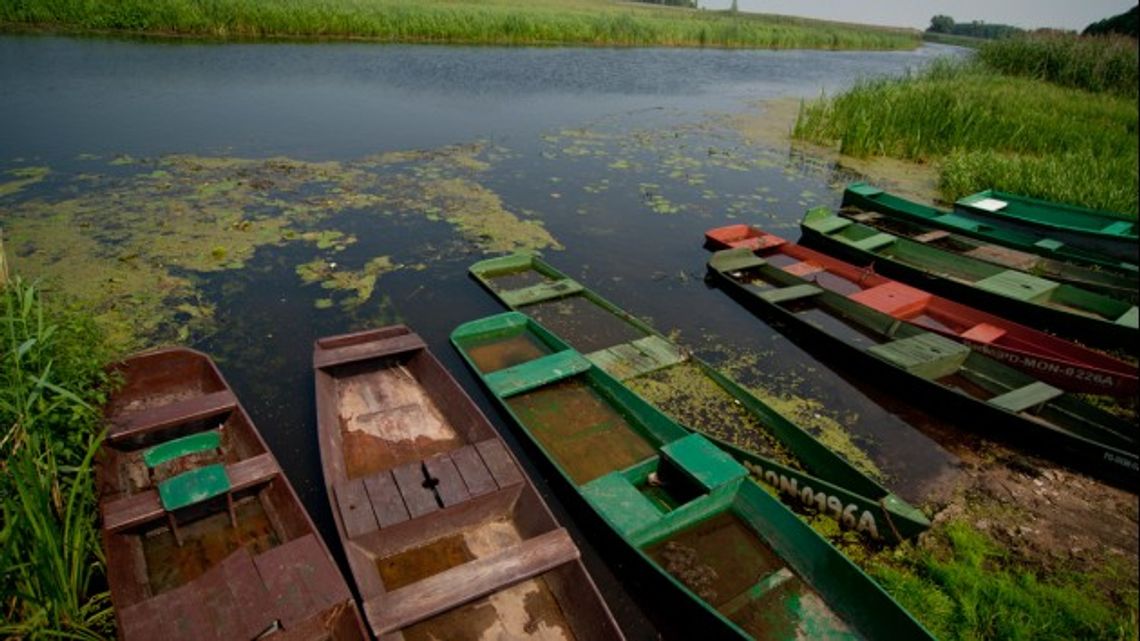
x: 1063, y: 14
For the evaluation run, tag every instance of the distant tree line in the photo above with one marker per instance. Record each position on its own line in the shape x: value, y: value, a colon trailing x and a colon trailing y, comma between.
x: 1123, y: 24
x: 691, y: 4
x: 975, y: 29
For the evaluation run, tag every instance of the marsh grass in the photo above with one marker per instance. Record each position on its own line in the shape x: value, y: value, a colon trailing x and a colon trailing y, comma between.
x: 990, y: 130
x: 1094, y: 63
x: 51, y: 381
x: 585, y: 22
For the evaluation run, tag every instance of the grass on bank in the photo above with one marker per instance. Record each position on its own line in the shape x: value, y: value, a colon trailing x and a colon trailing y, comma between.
x: 987, y: 129
x: 52, y: 582
x: 520, y: 22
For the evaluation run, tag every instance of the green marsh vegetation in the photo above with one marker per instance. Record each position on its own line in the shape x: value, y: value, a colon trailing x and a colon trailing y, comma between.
x: 52, y: 385
x: 1054, y: 118
x: 584, y: 22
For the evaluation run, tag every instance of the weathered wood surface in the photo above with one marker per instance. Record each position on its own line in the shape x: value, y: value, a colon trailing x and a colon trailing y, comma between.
x: 499, y: 462
x: 131, y: 424
x: 364, y: 351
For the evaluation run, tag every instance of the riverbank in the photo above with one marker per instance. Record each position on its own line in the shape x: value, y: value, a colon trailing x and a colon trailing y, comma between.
x: 500, y: 22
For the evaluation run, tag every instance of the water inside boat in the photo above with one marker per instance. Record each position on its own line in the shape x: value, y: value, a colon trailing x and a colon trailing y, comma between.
x: 518, y: 280
x: 587, y: 327
x: 205, y: 543
x: 500, y: 353
x: 724, y: 562
x: 583, y: 433
x: 388, y: 419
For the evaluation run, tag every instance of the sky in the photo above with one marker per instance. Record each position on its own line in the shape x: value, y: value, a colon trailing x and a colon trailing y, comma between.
x: 1028, y: 14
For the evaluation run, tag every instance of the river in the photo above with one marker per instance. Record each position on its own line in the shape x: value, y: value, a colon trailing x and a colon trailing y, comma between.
x: 248, y: 198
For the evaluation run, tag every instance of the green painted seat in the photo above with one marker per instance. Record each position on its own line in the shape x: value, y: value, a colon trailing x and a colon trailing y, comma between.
x: 863, y: 189
x: 540, y: 292
x: 620, y: 503
x: 179, y: 447
x: 927, y: 355
x: 706, y: 463
x: 536, y: 373
x: 1023, y: 398
x: 826, y: 224
x: 1018, y: 285
x: 644, y: 355
x: 874, y: 242
x: 1119, y: 228
x: 193, y: 487
x: 1049, y: 244
x: 1129, y: 318
x: 793, y: 292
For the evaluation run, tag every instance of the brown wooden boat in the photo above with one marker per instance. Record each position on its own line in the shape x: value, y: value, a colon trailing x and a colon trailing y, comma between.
x: 205, y: 538
x: 445, y: 536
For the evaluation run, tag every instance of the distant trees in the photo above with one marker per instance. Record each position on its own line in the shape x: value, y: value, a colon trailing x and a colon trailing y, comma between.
x: 691, y: 4
x: 975, y: 29
x: 1123, y: 24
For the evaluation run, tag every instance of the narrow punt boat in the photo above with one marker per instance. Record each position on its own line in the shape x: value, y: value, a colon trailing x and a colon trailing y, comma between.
x: 205, y: 538
x: 739, y: 562
x: 445, y: 535
x: 996, y: 400
x: 1051, y: 359
x: 778, y: 451
x: 1122, y: 273
x: 1070, y: 311
x: 1102, y: 232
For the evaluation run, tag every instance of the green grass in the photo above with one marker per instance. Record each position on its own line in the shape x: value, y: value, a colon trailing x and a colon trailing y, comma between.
x: 951, y: 39
x: 987, y: 130
x: 1098, y: 64
x: 51, y: 387
x: 584, y: 22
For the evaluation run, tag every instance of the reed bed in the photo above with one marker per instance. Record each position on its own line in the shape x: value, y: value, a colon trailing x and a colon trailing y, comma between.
x: 1098, y: 64
x: 582, y: 22
x: 52, y: 581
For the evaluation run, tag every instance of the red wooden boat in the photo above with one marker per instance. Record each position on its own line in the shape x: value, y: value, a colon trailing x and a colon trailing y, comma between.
x: 1048, y: 358
x: 205, y: 538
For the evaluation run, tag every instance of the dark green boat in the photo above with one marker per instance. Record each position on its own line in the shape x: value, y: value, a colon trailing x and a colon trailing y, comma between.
x: 1104, y: 232
x: 782, y: 454
x: 950, y: 377
x: 904, y: 218
x: 868, y: 198
x: 1071, y: 312
x: 732, y: 561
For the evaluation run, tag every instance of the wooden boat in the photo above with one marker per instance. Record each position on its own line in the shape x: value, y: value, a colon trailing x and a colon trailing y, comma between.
x: 204, y: 537
x: 739, y: 563
x: 782, y: 454
x: 1122, y: 273
x: 1119, y: 285
x: 951, y: 378
x: 1069, y: 311
x: 1050, y: 359
x: 445, y: 536
x: 1102, y: 232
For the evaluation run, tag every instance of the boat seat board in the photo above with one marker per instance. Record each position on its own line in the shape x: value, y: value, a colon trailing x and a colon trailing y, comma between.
x: 763, y: 586
x: 132, y: 424
x: 536, y: 373
x: 1119, y: 228
x: 462, y: 584
x: 473, y: 470
x: 1049, y: 244
x: 864, y: 189
x: 329, y: 357
x: 449, y: 485
x: 983, y: 333
x: 627, y: 509
x: 794, y: 292
x: 828, y: 225
x: 540, y: 292
x: 704, y: 462
x: 893, y: 298
x: 960, y: 222
x: 931, y: 236
x: 1129, y: 318
x: 499, y: 463
x: 387, y: 504
x: 419, y: 499
x: 355, y: 508
x: 193, y: 487
x: 1023, y: 398
x: 300, y: 579
x: 638, y: 357
x: 1017, y: 285
x: 927, y: 354
x: 179, y: 447
x: 732, y: 260
x: 874, y: 242
x: 803, y: 269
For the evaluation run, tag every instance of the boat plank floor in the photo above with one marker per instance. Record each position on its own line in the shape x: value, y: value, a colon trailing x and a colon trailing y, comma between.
x: 299, y: 579
x: 387, y: 503
x: 449, y: 486
x: 419, y: 499
x: 130, y: 424
x: 355, y: 508
x: 473, y: 470
x: 499, y: 463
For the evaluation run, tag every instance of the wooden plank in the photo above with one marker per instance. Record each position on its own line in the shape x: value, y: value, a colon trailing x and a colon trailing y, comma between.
x: 449, y: 486
x: 355, y: 509
x: 300, y: 579
x: 131, y: 511
x: 1023, y: 398
x: 931, y: 236
x: 475, y: 474
x: 252, y: 471
x: 365, y: 351
x: 459, y: 585
x: 792, y: 292
x: 499, y: 462
x: 132, y: 424
x: 387, y: 503
x: 234, y: 597
x: 419, y: 499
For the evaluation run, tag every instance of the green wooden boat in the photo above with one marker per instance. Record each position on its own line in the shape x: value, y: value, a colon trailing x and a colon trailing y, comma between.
x: 951, y: 378
x: 907, y: 219
x: 1069, y: 311
x: 1040, y: 242
x: 804, y: 471
x: 733, y: 562
x: 1097, y: 231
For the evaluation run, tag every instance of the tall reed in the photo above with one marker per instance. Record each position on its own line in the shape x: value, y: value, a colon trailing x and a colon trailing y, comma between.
x: 1094, y: 63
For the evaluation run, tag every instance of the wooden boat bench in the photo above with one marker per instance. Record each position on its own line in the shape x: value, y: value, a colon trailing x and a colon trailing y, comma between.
x: 1129, y: 318
x: 536, y: 373
x: 927, y: 354
x: 415, y: 489
x: 983, y: 333
x: 894, y: 299
x: 1024, y: 398
x: 793, y: 292
x: 180, y: 447
x: 874, y: 242
x: 1018, y: 285
x: 131, y: 424
x: 804, y: 269
x: 540, y: 292
x: 641, y: 356
x: 140, y: 508
x: 332, y: 356
x: 1119, y: 228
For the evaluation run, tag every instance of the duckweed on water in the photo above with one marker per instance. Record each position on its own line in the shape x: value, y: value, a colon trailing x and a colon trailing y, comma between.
x: 25, y: 176
x: 361, y: 282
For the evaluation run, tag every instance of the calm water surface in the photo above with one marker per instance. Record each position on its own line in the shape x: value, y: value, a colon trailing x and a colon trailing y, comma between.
x: 623, y: 155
